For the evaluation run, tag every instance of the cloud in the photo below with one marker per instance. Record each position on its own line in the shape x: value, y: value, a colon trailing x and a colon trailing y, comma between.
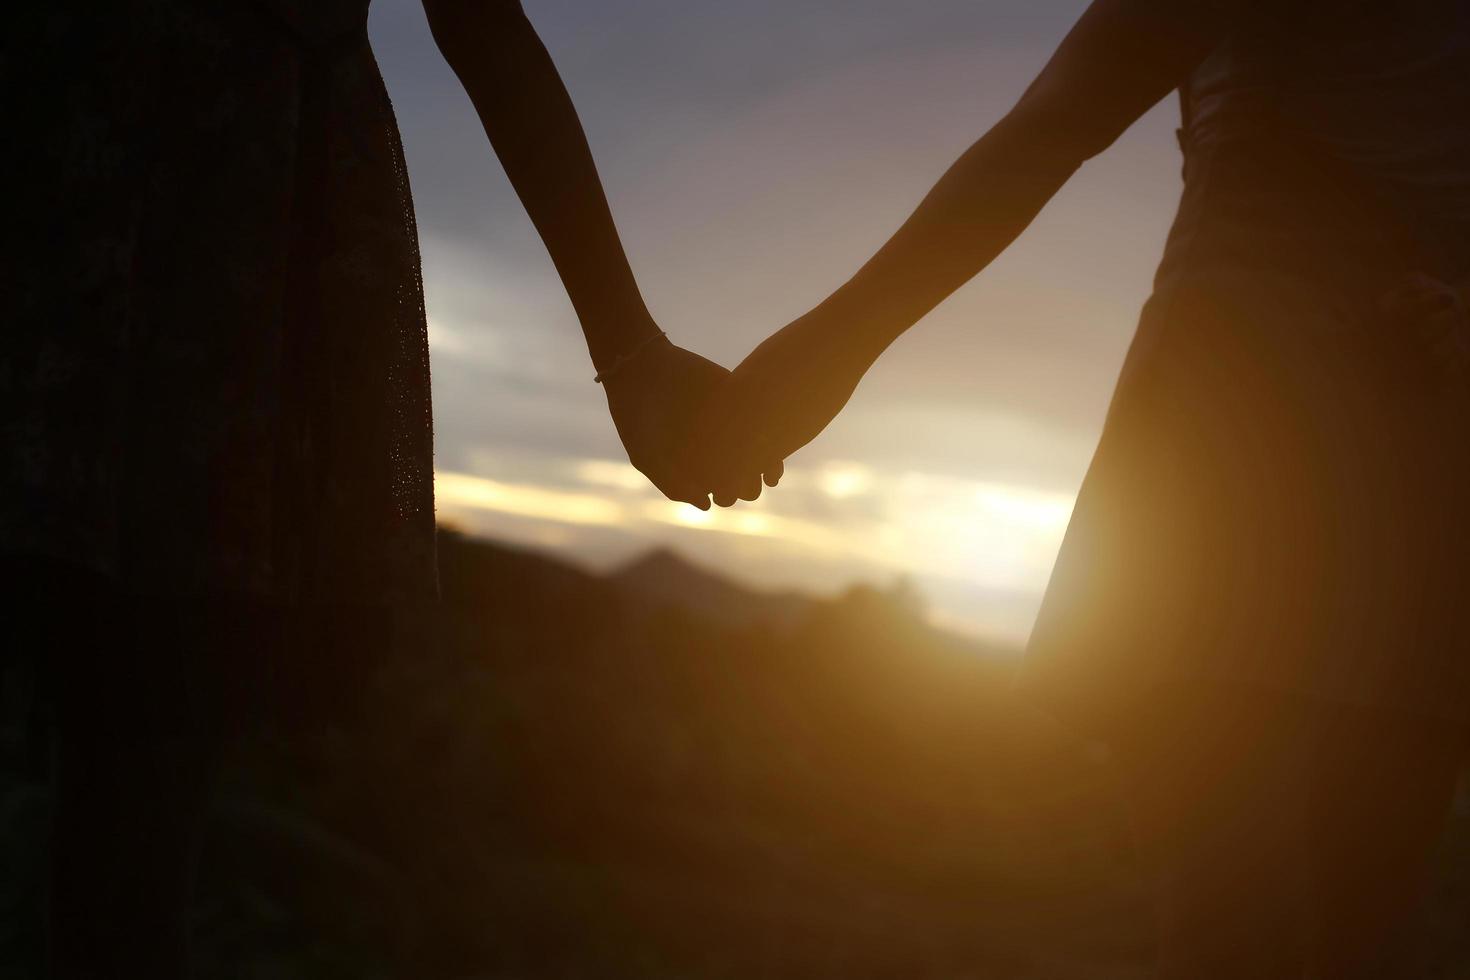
x: 823, y: 527
x: 461, y: 492
x: 755, y: 154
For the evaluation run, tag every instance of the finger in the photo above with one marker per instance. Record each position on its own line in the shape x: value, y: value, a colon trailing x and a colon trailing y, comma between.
x: 690, y: 493
x: 700, y: 500
x: 774, y: 472
x: 683, y: 491
x: 732, y: 476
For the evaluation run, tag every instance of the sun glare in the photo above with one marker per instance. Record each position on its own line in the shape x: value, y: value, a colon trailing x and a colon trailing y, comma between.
x: 455, y: 491
x: 610, y: 473
x: 1042, y: 511
x: 843, y: 517
x: 842, y: 480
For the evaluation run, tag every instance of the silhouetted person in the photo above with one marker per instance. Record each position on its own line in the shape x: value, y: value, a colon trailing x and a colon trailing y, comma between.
x: 1260, y: 598
x: 214, y: 387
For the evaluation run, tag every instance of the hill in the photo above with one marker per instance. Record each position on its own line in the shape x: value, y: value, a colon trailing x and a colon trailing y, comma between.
x: 662, y: 577
x: 658, y: 774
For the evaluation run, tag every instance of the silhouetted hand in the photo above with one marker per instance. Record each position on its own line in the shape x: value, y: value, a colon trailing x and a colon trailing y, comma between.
x: 780, y: 397
x: 656, y: 400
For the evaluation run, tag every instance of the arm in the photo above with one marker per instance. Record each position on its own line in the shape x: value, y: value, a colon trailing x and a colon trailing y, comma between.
x: 534, y: 130
x: 1121, y: 58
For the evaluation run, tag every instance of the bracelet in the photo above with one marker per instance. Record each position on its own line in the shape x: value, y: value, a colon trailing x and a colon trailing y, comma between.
x: 622, y: 359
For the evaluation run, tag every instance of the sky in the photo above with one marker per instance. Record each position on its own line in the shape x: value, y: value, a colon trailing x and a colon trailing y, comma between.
x: 755, y: 154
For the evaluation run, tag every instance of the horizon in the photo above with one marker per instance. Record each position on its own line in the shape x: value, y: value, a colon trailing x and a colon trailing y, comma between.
x: 658, y: 552
x: 754, y: 157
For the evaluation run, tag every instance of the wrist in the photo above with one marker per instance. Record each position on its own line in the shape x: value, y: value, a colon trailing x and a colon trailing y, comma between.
x: 619, y: 364
x: 612, y: 337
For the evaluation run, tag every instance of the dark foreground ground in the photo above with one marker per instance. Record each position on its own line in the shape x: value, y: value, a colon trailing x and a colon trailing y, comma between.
x: 658, y: 775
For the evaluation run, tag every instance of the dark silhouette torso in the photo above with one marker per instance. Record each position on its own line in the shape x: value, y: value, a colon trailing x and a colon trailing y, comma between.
x: 1277, y: 496
x: 216, y: 366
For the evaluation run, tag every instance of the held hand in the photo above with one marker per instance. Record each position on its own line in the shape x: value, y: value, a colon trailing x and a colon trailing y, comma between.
x: 780, y: 397
x: 656, y: 399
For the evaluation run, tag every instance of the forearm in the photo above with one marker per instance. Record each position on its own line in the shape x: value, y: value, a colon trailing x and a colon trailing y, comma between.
x: 981, y: 204
x: 534, y: 130
x: 1120, y: 58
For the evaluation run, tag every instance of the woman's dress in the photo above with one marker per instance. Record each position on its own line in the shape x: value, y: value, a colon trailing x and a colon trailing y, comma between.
x: 1279, y: 497
x: 214, y: 381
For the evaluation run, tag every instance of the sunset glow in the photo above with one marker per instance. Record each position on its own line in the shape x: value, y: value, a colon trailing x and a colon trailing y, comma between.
x: 917, y: 525
x: 753, y: 167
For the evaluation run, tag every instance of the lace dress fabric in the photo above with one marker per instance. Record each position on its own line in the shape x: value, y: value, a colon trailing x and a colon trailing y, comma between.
x: 215, y: 379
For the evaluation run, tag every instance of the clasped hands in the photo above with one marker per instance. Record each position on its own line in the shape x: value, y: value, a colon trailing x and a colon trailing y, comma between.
x: 699, y: 431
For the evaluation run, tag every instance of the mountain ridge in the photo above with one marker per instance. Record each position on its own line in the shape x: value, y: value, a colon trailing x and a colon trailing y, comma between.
x: 663, y: 577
